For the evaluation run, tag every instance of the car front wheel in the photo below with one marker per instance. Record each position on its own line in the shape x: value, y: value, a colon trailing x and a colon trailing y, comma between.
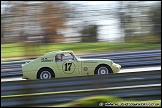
x: 103, y: 69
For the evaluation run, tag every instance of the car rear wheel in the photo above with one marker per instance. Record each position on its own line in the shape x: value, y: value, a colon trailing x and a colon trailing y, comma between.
x: 103, y: 69
x: 45, y: 74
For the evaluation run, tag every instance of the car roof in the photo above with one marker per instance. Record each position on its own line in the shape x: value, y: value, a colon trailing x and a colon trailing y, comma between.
x: 58, y: 51
x: 54, y: 52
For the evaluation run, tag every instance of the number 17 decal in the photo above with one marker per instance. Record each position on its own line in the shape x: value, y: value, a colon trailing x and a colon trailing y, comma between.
x: 68, y: 68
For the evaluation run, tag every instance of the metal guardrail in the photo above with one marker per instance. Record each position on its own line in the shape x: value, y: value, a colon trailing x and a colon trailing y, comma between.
x: 136, y: 85
x: 125, y: 59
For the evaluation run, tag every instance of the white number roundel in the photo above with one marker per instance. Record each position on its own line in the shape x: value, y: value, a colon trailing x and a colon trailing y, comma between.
x: 68, y: 67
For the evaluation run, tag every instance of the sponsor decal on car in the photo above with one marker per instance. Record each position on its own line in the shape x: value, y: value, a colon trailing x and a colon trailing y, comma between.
x: 85, y: 68
x: 90, y: 62
x: 46, y: 60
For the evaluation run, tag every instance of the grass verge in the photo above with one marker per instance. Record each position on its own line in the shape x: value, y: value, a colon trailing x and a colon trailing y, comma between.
x: 20, y: 50
x: 96, y: 101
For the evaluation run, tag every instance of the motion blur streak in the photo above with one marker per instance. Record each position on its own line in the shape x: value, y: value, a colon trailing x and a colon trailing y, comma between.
x: 121, y: 71
x: 31, y: 24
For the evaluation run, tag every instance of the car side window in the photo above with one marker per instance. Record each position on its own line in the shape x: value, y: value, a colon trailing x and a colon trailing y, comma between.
x: 64, y: 57
x: 68, y: 56
x: 59, y: 57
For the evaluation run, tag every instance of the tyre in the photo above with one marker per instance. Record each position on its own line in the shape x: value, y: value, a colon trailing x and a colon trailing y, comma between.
x: 103, y: 69
x: 45, y: 73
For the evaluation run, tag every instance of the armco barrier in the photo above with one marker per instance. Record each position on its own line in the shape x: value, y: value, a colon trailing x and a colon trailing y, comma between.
x: 136, y: 85
x: 125, y: 59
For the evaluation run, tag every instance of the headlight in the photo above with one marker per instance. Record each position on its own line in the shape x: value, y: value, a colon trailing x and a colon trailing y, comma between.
x: 112, y: 62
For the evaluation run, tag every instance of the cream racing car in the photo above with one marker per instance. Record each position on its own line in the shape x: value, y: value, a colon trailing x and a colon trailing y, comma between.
x: 58, y: 64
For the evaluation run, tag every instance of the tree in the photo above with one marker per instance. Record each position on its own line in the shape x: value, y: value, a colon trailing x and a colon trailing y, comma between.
x: 52, y: 18
x: 134, y: 21
x: 155, y: 18
x: 2, y: 27
x: 89, y: 33
x: 44, y: 17
x: 124, y: 15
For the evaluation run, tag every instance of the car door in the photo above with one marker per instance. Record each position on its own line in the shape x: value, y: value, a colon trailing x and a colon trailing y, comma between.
x: 68, y: 65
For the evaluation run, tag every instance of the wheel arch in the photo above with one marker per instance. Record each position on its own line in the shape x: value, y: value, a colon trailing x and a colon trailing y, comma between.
x: 103, y: 64
x: 42, y: 68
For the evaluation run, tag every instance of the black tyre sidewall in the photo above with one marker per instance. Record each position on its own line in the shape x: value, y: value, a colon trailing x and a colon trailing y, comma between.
x: 108, y: 67
x: 45, y: 69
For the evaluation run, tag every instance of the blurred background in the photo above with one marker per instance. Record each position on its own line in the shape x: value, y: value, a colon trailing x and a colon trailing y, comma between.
x: 32, y: 28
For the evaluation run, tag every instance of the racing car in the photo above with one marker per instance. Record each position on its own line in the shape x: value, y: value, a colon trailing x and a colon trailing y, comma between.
x: 57, y: 64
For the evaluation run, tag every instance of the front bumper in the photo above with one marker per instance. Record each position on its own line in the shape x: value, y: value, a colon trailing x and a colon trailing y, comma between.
x: 116, y: 67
